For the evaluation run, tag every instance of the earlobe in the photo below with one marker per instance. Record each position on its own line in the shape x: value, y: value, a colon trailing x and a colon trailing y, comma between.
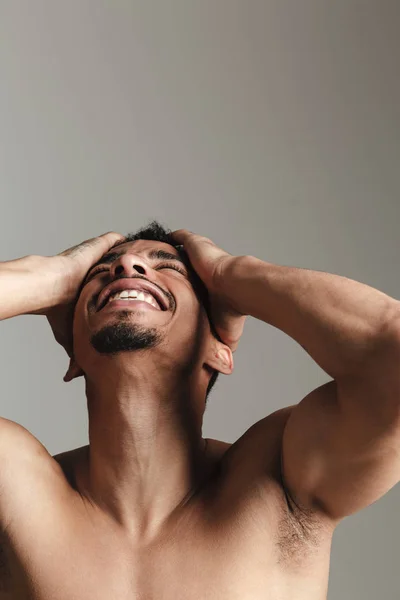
x: 73, y: 371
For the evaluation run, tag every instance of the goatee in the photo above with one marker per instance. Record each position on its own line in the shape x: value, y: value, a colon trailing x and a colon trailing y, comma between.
x: 124, y: 336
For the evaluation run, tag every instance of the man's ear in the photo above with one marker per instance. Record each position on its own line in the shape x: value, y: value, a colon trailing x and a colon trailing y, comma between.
x: 73, y: 371
x: 220, y: 358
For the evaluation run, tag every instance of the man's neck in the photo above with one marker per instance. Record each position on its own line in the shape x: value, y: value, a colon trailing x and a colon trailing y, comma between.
x: 146, y: 452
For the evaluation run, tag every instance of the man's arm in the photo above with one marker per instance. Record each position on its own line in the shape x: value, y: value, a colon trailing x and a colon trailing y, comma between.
x: 341, y: 444
x: 39, y: 285
x: 26, y: 285
x: 47, y: 285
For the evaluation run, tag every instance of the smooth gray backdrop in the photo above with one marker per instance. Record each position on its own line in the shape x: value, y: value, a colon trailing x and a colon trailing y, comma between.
x: 271, y: 127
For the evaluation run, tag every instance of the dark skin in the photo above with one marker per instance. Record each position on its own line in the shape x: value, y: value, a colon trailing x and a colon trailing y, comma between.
x: 208, y: 262
x: 280, y: 489
x: 153, y: 399
x: 71, y: 266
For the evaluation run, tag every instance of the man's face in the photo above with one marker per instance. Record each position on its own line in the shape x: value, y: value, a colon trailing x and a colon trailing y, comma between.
x: 169, y: 314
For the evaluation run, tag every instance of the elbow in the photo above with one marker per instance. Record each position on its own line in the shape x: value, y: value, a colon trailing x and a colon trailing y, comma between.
x: 376, y: 349
x: 385, y: 340
x: 389, y: 335
x: 375, y: 384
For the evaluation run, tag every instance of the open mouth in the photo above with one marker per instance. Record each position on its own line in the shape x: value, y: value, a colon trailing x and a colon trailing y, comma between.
x: 134, y: 289
x: 134, y: 296
x: 130, y: 295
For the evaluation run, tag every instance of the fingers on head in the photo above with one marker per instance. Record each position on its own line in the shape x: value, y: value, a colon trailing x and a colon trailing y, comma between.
x: 106, y: 240
x: 101, y: 243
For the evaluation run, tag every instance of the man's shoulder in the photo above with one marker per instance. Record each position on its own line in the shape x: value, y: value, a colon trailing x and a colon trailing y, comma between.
x: 260, y: 444
x: 253, y: 462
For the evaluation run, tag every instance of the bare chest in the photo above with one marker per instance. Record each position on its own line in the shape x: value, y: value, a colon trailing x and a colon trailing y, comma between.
x: 215, y: 554
x: 237, y: 541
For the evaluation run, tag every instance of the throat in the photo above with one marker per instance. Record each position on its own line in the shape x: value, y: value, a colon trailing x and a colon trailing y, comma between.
x: 140, y: 489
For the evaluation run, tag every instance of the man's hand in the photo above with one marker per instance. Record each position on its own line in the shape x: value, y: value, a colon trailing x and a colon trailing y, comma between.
x: 209, y: 261
x: 68, y: 270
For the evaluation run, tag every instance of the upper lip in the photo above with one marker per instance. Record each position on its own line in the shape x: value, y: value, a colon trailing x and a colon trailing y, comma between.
x: 131, y: 283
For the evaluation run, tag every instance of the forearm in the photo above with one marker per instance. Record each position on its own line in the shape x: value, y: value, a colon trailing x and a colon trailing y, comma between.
x: 337, y: 320
x: 26, y: 286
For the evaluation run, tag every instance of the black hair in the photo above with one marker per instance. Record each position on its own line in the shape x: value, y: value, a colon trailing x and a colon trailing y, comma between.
x: 157, y: 232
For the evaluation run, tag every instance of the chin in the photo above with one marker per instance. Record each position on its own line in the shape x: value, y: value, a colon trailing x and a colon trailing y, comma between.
x: 124, y: 336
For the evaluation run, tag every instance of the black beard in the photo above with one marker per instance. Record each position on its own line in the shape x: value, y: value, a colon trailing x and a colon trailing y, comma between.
x: 124, y: 336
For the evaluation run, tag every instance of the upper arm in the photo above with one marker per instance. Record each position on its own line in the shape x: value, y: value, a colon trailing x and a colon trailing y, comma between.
x: 341, y: 443
x: 30, y: 478
x: 16, y: 443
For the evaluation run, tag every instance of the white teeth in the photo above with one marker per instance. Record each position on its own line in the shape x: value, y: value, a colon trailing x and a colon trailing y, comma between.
x: 134, y: 294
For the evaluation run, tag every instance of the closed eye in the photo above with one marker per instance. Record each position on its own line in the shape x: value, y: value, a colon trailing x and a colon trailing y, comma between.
x: 100, y: 268
x: 95, y: 271
x: 174, y: 267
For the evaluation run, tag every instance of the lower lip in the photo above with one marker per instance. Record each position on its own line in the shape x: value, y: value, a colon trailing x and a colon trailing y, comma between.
x: 130, y: 304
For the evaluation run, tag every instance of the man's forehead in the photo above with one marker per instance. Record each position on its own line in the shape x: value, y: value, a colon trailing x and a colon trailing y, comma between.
x: 143, y: 245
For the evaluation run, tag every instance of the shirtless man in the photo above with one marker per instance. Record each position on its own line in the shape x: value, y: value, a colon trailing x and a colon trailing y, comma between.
x: 149, y: 509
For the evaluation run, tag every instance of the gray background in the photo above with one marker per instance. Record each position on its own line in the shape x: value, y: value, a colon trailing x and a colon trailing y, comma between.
x: 271, y: 127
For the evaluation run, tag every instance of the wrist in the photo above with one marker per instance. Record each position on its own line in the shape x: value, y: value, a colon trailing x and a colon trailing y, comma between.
x: 28, y: 286
x: 46, y: 275
x: 232, y: 279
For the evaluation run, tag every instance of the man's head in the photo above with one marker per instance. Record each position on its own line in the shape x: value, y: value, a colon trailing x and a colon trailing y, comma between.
x: 173, y: 321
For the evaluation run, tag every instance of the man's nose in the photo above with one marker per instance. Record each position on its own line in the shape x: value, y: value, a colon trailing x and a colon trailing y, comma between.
x: 128, y: 265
